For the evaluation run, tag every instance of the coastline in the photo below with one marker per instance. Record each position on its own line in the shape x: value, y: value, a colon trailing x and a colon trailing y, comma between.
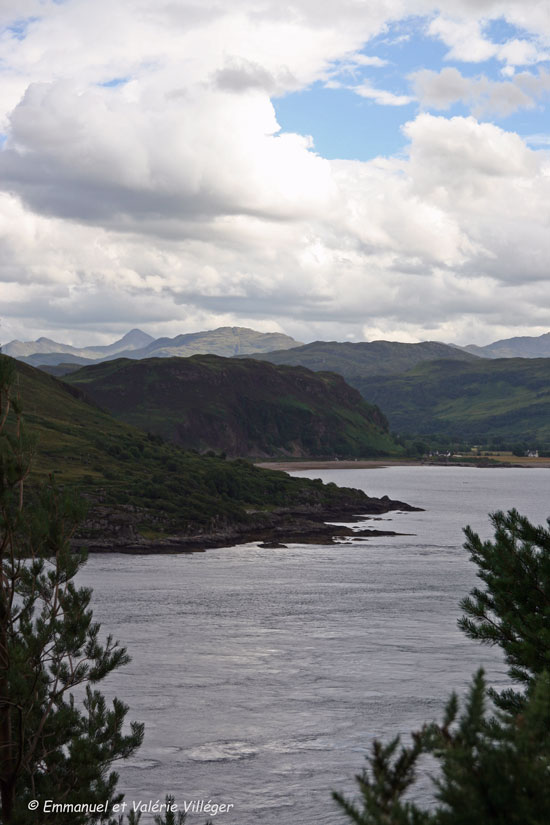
x: 303, y: 524
x: 377, y: 464
x: 311, y: 464
x: 116, y: 532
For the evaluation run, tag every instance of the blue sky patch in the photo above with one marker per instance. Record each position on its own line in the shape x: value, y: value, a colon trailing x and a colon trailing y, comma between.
x: 344, y: 124
x: 18, y: 29
x: 500, y: 31
x: 114, y: 82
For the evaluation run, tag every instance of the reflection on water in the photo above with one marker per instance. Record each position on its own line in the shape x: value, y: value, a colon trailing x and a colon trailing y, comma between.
x: 263, y: 675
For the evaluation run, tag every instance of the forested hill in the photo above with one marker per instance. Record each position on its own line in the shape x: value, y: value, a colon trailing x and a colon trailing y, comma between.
x: 240, y: 407
x: 141, y: 487
x: 356, y: 360
x: 507, y: 398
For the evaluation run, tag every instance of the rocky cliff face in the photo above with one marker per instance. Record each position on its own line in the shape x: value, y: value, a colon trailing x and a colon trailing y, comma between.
x: 240, y: 407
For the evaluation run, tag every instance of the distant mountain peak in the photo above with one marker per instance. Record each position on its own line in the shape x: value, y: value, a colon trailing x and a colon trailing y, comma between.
x: 134, y: 339
x: 521, y: 346
x: 136, y: 344
x: 137, y: 333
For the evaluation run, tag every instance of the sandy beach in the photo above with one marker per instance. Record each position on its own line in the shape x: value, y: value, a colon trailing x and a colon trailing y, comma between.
x: 374, y: 464
x: 334, y: 465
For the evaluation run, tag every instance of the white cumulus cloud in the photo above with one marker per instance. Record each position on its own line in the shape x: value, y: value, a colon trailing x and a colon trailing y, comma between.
x: 485, y: 97
x: 145, y: 180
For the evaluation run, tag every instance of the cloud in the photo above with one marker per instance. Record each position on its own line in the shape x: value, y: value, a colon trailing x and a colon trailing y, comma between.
x: 381, y: 96
x: 366, y: 90
x: 97, y: 157
x: 175, y: 201
x: 440, y: 90
x: 239, y: 75
x: 463, y: 152
x: 460, y: 220
x: 468, y: 41
x: 368, y: 60
x: 464, y: 37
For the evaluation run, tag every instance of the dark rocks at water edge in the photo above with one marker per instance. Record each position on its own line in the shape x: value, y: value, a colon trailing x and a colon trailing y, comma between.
x: 272, y: 545
x: 110, y: 529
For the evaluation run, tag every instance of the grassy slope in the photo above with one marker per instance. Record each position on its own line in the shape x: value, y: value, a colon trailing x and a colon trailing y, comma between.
x: 84, y: 446
x: 355, y: 361
x: 504, y: 397
x: 243, y: 407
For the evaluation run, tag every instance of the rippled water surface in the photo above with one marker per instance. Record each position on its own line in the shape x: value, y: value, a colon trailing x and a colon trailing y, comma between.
x: 263, y: 675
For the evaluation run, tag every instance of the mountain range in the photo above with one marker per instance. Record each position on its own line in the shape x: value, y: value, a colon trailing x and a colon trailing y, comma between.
x: 355, y: 361
x: 427, y: 388
x: 522, y: 347
x: 136, y: 344
x: 392, y: 356
x: 433, y: 389
x: 133, y: 340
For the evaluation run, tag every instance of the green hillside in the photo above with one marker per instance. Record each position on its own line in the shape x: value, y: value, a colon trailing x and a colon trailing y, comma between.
x: 356, y: 360
x: 162, y: 487
x: 506, y: 398
x: 240, y: 407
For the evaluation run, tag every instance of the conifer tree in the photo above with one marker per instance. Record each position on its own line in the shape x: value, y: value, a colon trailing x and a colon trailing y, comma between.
x: 58, y: 736
x: 513, y: 609
x: 494, y: 754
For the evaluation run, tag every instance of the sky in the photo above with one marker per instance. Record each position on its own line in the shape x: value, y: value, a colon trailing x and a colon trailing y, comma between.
x: 344, y: 170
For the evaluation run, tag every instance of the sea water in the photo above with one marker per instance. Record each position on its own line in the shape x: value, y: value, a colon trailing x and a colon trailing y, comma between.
x: 263, y: 675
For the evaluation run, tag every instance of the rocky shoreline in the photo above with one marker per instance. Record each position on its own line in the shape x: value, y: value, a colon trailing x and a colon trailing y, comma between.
x: 115, y: 531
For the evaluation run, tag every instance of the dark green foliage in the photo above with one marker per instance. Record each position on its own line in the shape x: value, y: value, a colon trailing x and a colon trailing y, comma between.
x: 390, y: 773
x: 494, y: 768
x: 433, y: 389
x: 494, y: 754
x: 513, y: 609
x: 52, y: 746
x: 507, y: 399
x: 170, y: 817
